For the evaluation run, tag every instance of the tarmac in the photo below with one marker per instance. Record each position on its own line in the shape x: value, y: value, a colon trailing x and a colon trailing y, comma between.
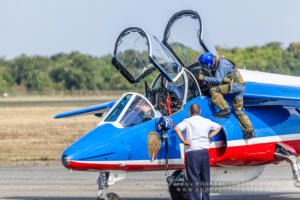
x: 57, y: 183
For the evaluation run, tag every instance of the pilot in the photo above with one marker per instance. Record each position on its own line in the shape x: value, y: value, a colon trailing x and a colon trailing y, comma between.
x: 146, y: 110
x: 227, y: 80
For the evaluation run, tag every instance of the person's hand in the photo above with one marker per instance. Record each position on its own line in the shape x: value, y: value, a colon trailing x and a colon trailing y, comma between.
x: 226, y: 80
x: 187, y: 143
x: 201, y: 77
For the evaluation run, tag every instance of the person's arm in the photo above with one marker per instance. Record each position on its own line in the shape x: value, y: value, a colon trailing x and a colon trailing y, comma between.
x: 179, y: 134
x: 224, y: 68
x: 215, y: 132
x: 217, y: 79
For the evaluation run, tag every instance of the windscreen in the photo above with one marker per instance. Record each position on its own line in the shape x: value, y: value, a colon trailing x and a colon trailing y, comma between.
x: 132, y: 53
x: 113, y: 116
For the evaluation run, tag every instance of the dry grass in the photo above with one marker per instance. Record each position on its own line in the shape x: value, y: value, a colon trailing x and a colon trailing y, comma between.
x: 31, y: 133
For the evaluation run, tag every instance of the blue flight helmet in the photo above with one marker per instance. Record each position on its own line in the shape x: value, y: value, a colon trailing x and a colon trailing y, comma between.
x: 206, y: 59
x: 164, y: 123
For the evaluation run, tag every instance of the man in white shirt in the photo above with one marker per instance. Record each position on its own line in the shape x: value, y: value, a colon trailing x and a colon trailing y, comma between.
x: 196, y: 137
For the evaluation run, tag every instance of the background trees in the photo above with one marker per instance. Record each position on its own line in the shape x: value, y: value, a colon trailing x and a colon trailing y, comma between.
x: 75, y: 71
x: 268, y: 58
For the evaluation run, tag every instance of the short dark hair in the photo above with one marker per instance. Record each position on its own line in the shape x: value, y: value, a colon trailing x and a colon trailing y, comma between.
x: 195, y: 109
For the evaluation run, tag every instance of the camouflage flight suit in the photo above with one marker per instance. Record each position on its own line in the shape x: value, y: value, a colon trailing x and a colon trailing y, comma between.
x: 228, y: 80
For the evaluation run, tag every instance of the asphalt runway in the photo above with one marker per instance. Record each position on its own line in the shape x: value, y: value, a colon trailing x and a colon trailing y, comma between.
x: 57, y: 183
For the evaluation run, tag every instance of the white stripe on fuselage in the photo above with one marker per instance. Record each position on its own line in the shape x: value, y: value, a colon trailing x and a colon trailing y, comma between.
x: 218, y: 144
x: 259, y: 140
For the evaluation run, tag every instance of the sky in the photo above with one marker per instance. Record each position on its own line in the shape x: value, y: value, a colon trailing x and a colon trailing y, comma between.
x: 47, y: 27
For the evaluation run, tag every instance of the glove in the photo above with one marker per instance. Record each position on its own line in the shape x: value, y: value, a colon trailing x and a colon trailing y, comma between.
x: 226, y: 80
x: 201, y: 77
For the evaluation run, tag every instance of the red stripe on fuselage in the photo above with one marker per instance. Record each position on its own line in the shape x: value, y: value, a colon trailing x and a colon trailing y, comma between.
x: 107, y: 167
x: 246, y: 155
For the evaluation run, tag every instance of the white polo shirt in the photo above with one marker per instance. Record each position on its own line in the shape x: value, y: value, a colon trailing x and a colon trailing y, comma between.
x: 196, y: 130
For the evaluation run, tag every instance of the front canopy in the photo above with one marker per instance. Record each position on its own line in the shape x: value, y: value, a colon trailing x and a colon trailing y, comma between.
x: 131, y: 109
x: 137, y: 54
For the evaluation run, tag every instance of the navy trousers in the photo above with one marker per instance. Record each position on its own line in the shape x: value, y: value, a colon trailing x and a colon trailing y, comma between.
x: 198, y: 174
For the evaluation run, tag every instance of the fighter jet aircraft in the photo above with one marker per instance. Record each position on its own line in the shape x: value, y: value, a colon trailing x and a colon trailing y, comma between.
x: 136, y: 133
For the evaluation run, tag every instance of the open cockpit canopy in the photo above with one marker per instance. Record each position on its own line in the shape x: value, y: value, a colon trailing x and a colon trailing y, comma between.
x: 186, y: 38
x: 137, y: 54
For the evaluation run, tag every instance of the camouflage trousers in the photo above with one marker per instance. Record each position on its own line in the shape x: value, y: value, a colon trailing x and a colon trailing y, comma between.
x: 237, y: 91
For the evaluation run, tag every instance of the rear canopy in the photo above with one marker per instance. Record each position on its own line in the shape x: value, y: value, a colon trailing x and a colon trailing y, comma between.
x: 186, y: 38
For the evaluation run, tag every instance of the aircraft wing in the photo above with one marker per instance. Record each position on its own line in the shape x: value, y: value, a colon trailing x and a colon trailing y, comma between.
x: 97, y: 110
x: 262, y: 94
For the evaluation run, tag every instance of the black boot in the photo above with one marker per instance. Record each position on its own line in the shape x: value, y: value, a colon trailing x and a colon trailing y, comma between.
x: 223, y: 114
x: 249, y: 135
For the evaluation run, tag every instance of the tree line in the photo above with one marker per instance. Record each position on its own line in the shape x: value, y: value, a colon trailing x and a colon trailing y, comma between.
x: 76, y: 71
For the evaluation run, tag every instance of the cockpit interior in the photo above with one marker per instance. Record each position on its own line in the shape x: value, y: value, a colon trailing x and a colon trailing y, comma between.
x: 137, y: 54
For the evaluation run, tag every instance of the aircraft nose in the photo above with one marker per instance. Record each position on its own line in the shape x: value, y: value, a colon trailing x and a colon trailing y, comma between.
x: 98, y: 144
x: 65, y: 160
